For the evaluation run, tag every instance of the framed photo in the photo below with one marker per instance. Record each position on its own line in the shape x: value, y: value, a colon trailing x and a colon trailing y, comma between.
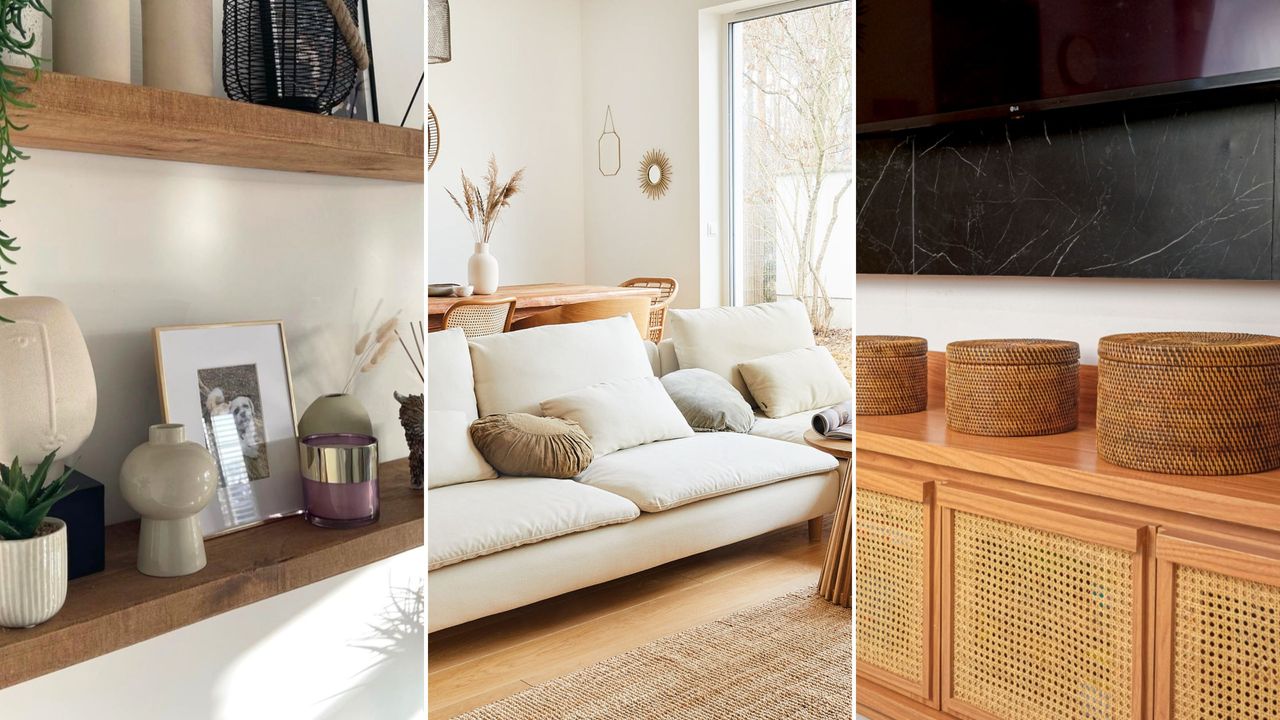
x: 229, y: 385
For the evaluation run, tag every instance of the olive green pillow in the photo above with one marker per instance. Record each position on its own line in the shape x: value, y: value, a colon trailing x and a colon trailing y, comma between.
x: 708, y: 402
x: 531, y: 446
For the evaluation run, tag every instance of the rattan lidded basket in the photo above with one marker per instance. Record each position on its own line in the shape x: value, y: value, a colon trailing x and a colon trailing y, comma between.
x: 1190, y: 403
x: 1012, y: 387
x: 892, y: 374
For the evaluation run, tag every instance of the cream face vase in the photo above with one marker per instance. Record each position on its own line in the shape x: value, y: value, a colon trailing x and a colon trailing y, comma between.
x: 169, y: 481
x: 48, y: 396
x: 33, y: 577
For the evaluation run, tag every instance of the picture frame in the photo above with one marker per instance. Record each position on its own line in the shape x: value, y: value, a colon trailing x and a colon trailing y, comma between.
x: 230, y: 386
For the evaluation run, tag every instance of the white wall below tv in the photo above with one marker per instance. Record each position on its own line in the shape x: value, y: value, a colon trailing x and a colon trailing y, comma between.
x: 943, y: 309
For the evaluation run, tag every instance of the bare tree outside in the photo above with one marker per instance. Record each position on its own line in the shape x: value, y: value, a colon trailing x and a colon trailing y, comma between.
x: 793, y: 165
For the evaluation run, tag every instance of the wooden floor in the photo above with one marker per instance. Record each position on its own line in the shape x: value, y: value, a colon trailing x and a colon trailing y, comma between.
x: 488, y: 659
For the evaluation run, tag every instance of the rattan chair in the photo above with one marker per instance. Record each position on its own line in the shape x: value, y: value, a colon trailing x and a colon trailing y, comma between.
x: 667, y: 288
x: 481, y: 316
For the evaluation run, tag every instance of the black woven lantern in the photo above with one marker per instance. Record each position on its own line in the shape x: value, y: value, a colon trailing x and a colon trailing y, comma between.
x: 287, y: 53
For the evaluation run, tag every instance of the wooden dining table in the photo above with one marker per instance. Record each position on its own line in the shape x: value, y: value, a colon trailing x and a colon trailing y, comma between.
x: 533, y: 299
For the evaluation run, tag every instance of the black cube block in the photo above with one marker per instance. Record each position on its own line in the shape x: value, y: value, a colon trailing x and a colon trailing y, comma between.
x: 84, y: 512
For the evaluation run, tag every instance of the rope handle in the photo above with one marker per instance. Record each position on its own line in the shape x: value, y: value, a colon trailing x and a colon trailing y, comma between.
x: 350, y: 33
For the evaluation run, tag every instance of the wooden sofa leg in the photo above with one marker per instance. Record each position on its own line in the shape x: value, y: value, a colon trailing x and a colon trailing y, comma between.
x: 815, y: 529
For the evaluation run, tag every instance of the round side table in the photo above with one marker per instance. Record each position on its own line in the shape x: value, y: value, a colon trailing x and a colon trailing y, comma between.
x: 836, y: 583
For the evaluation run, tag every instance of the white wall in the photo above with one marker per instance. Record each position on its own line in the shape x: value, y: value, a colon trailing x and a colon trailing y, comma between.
x: 514, y: 90
x: 131, y: 244
x: 644, y: 59
x: 530, y: 81
x: 944, y: 309
x: 338, y: 649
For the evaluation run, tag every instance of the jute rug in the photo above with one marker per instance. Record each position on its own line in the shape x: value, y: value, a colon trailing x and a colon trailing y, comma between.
x: 790, y: 658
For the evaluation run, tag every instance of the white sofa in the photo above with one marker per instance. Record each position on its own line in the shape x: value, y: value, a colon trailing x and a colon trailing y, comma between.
x: 503, y: 543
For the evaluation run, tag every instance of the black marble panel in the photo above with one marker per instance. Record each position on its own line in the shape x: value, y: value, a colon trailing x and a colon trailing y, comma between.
x: 884, y: 205
x: 1114, y: 193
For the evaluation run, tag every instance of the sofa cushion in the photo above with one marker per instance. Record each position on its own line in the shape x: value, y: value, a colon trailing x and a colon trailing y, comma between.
x: 523, y: 444
x: 454, y: 458
x: 449, y: 383
x: 667, y: 360
x: 517, y: 370
x: 672, y: 473
x: 789, y: 428
x: 718, y: 339
x: 707, y: 401
x: 794, y: 381
x: 620, y: 414
x: 480, y: 518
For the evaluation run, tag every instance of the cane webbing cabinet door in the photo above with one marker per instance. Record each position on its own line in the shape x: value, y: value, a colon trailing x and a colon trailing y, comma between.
x: 1217, y: 628
x: 1042, y: 609
x: 895, y: 581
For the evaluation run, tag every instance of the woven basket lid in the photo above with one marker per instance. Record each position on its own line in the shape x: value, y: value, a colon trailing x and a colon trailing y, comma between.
x: 1013, y: 351
x: 1191, y: 348
x: 891, y: 346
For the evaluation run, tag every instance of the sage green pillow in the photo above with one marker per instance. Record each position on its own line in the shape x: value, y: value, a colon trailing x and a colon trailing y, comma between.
x: 531, y: 446
x: 708, y: 402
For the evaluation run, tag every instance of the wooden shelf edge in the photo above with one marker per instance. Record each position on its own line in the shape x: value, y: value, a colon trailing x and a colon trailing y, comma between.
x: 81, y: 114
x: 121, y: 607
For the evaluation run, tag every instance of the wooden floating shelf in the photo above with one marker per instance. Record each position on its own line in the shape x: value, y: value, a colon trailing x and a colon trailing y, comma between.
x: 1067, y: 461
x: 119, y: 607
x: 82, y: 114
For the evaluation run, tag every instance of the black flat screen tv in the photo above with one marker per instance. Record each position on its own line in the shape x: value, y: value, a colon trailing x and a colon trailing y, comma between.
x: 927, y: 62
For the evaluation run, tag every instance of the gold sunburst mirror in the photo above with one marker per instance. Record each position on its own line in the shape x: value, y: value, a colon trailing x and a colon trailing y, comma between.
x: 655, y: 174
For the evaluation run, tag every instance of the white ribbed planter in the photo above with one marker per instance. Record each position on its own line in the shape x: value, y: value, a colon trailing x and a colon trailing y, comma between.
x: 33, y: 578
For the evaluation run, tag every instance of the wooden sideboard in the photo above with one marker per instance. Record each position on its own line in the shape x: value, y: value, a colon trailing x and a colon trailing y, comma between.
x: 1026, y: 578
x: 533, y: 299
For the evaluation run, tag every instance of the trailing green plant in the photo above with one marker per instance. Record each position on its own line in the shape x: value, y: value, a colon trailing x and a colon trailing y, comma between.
x: 18, y: 40
x: 25, y: 500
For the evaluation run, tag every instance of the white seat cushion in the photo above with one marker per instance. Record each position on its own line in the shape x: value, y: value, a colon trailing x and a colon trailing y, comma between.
x: 479, y: 518
x: 449, y: 383
x: 718, y: 339
x: 789, y: 428
x: 516, y: 371
x: 668, y: 474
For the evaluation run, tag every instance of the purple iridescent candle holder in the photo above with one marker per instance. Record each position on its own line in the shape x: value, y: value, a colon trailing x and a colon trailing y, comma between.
x: 339, y: 479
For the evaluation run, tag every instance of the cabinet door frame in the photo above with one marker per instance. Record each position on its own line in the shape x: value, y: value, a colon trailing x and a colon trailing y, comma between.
x: 1223, y: 554
x: 920, y: 491
x: 1124, y: 534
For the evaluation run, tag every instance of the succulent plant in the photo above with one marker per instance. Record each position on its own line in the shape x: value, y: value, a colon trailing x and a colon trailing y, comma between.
x: 26, y: 500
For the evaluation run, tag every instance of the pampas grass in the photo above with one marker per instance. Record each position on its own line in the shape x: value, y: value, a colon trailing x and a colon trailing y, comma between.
x: 373, y: 347
x: 482, y: 208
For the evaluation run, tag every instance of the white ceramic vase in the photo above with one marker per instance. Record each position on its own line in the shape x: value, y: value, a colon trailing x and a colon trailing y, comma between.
x: 91, y: 37
x: 169, y: 481
x: 482, y: 270
x: 337, y: 413
x: 33, y: 577
x: 48, y: 397
x: 177, y: 45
